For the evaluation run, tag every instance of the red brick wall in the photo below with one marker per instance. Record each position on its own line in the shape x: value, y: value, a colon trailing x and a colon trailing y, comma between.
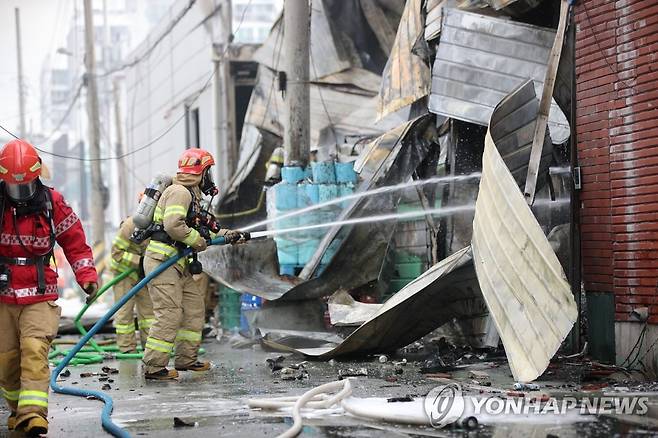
x: 617, y: 128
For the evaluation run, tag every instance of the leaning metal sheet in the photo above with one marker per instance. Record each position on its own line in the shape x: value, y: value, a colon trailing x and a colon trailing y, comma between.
x: 426, y: 303
x: 513, y: 128
x: 392, y: 159
x: 520, y: 276
x: 406, y: 77
x: 253, y: 267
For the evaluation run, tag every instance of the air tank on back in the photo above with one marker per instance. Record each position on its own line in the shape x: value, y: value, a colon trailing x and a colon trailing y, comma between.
x: 144, y: 214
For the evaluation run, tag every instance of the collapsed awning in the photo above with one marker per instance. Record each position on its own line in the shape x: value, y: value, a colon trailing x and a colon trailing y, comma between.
x: 447, y: 289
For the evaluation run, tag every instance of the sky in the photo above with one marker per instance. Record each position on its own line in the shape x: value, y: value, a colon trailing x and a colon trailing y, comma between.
x: 43, y: 23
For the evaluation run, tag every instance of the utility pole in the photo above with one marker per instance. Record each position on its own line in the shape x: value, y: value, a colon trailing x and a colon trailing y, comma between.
x: 296, y: 139
x: 123, y: 177
x: 97, y: 213
x: 21, y: 86
x: 222, y: 92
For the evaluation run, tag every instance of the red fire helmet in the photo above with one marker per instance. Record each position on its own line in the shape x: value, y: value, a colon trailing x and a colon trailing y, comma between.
x: 19, y: 162
x: 195, y: 161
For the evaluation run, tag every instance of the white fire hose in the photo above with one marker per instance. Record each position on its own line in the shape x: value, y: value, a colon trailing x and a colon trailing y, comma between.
x: 316, y: 398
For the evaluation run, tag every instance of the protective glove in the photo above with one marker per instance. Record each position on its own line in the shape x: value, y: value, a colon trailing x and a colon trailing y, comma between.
x: 235, y: 236
x: 200, y: 244
x: 90, y: 289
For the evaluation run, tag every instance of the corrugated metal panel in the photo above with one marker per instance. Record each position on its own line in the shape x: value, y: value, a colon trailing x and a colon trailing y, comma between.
x: 500, y: 4
x: 434, y: 9
x: 423, y: 305
x: 406, y: 77
x: 481, y: 59
x: 512, y: 129
x: 513, y: 6
x: 519, y: 274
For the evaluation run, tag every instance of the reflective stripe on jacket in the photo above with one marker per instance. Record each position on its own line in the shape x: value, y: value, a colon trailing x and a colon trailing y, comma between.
x: 32, y: 236
x: 125, y: 253
x: 171, y: 213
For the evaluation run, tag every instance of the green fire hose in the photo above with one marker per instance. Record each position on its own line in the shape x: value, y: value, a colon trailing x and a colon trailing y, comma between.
x: 94, y: 353
x: 100, y: 292
x: 84, y: 357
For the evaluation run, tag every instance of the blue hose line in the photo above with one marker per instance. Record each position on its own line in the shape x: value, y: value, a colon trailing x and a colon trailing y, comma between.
x: 106, y: 419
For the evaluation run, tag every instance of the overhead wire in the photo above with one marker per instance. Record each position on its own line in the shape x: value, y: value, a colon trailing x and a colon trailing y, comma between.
x: 153, y: 46
x: 67, y: 113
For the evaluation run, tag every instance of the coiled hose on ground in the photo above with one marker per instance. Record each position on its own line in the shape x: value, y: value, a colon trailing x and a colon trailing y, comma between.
x: 106, y: 419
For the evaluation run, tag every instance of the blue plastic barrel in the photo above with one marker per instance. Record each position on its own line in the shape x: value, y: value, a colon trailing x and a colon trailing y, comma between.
x: 345, y: 173
x: 324, y: 173
x: 285, y: 196
x: 248, y: 303
x: 292, y: 174
x: 312, y: 192
x: 327, y: 192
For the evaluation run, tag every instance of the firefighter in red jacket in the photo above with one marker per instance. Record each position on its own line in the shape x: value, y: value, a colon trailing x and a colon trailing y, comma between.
x: 34, y: 217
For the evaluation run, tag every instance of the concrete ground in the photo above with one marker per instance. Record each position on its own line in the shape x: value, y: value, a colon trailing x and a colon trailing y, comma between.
x: 216, y: 401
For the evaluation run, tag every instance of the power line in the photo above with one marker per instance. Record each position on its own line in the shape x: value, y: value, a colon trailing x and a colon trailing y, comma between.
x: 9, y: 132
x: 150, y: 50
x: 67, y: 113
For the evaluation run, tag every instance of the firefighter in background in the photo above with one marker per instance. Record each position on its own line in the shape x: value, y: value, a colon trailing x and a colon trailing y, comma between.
x: 178, y: 303
x: 127, y: 255
x: 210, y: 299
x: 34, y: 218
x: 273, y: 167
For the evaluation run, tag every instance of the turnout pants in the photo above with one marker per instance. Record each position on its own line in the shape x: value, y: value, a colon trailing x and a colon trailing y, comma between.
x: 178, y: 306
x: 124, y: 320
x: 209, y: 298
x: 26, y: 334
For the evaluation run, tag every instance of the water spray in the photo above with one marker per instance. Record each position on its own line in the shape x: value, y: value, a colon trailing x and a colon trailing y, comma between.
x: 367, y: 193
x: 445, y: 211
x: 440, y: 211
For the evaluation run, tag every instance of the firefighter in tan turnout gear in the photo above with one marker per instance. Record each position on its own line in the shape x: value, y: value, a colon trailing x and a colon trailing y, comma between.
x: 178, y: 303
x: 127, y: 255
